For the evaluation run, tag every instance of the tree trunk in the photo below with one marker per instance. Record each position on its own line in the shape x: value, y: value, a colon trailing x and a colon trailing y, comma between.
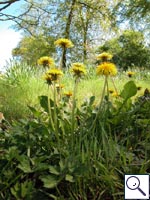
x: 67, y: 32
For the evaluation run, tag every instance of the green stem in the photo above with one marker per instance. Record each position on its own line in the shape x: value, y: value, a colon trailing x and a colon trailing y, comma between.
x: 103, y: 94
x: 101, y: 101
x: 107, y: 88
x: 49, y: 109
x: 28, y: 147
x: 73, y: 109
x: 28, y: 151
x: 114, y: 85
x: 55, y: 114
x: 63, y: 58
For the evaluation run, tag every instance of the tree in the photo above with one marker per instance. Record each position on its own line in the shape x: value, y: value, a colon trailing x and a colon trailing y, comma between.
x: 129, y: 50
x: 4, y: 5
x: 30, y: 48
x: 76, y: 20
x: 135, y: 11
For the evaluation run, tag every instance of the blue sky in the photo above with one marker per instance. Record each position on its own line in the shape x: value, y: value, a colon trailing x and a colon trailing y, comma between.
x: 9, y: 38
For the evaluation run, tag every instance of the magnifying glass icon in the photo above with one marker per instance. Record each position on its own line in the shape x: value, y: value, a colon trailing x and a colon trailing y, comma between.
x: 133, y: 183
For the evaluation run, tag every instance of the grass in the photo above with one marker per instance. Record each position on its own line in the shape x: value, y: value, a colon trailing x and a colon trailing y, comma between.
x: 22, y: 85
x: 72, y: 149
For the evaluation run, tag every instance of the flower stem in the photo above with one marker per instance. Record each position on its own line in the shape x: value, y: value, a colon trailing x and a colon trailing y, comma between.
x: 114, y: 85
x: 55, y: 114
x: 101, y: 101
x: 63, y: 58
x: 49, y: 109
x: 103, y: 93
x: 73, y: 109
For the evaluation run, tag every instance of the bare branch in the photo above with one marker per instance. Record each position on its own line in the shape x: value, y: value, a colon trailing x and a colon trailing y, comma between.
x: 7, y: 4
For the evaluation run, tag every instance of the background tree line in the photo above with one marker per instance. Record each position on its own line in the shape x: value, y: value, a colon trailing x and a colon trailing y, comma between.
x: 90, y: 24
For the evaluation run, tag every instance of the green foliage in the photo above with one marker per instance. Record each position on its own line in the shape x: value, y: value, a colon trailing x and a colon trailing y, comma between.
x: 30, y: 48
x: 68, y: 19
x: 129, y: 90
x: 128, y: 49
x: 39, y: 160
x: 137, y: 12
x: 18, y: 88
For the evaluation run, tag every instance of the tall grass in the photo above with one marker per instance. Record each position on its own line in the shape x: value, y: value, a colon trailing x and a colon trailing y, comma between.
x: 73, y: 148
x: 21, y: 85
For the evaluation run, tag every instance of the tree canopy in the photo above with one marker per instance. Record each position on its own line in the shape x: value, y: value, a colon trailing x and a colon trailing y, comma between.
x: 129, y: 50
x: 30, y: 48
x: 87, y: 23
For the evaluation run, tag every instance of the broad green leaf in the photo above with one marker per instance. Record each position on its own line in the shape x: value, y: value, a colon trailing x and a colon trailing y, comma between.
x: 26, y: 189
x: 44, y: 102
x: 53, y: 170
x: 24, y: 164
x: 69, y: 178
x: 92, y: 99
x: 62, y: 165
x: 129, y: 90
x: 34, y: 111
x: 50, y: 181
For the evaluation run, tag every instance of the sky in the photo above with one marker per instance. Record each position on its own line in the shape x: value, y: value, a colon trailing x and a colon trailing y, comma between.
x: 9, y: 38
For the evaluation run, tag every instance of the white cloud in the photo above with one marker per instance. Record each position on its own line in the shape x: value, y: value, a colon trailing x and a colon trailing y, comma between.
x: 8, y: 40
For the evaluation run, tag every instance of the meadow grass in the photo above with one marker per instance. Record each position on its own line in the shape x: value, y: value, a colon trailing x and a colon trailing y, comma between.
x: 69, y: 149
x: 22, y: 84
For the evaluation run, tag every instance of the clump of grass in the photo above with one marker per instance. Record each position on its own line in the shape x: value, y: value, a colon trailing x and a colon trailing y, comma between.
x: 20, y: 86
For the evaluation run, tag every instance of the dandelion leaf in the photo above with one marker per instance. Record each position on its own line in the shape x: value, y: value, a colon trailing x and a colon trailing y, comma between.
x: 44, y: 102
x: 50, y: 181
x: 129, y: 90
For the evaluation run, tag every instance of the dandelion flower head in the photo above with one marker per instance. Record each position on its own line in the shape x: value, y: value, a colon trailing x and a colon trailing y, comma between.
x: 130, y: 74
x: 53, y: 75
x: 46, y: 61
x: 111, y: 91
x: 104, y: 56
x: 115, y: 94
x: 78, y: 69
x: 107, y: 69
x: 77, y: 64
x: 63, y: 42
x: 48, y: 78
x: 68, y: 94
x: 60, y: 86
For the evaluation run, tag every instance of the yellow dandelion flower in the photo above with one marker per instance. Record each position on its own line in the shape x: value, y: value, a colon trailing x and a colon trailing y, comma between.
x: 48, y: 78
x: 68, y: 94
x: 63, y: 42
x: 107, y: 69
x: 78, y: 65
x: 104, y: 56
x: 54, y: 73
x: 130, y: 74
x: 46, y: 61
x: 78, y: 69
x: 115, y: 94
x: 111, y: 91
x: 60, y: 86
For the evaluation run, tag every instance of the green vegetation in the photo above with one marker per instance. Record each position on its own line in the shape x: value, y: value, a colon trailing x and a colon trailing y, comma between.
x: 55, y: 146
x: 129, y: 50
x: 70, y: 130
x: 30, y: 49
x: 21, y: 86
